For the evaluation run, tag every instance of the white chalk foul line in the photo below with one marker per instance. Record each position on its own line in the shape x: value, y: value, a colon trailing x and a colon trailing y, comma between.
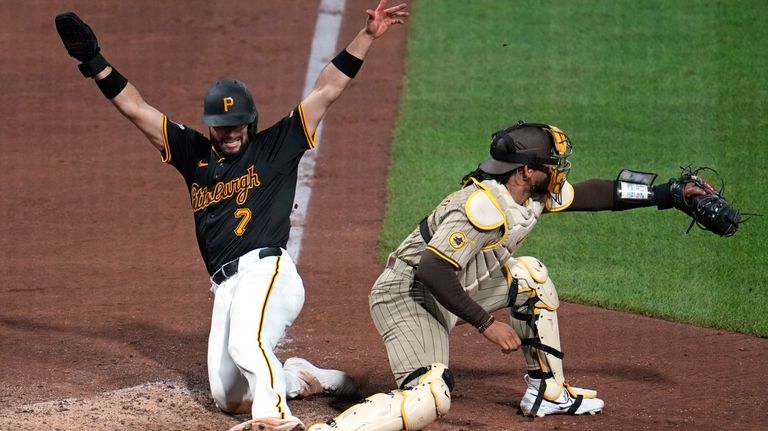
x: 329, y: 15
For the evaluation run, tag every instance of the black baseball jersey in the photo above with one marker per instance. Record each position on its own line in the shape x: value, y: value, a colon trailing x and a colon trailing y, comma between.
x: 244, y: 203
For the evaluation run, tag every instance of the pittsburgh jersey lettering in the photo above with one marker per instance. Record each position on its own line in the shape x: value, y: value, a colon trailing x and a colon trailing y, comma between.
x: 202, y: 197
x: 260, y: 183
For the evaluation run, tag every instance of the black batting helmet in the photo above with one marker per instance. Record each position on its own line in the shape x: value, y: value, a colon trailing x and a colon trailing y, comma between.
x: 229, y: 103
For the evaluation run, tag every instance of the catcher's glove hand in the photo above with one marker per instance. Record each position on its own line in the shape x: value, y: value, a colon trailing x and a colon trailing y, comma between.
x: 707, y: 206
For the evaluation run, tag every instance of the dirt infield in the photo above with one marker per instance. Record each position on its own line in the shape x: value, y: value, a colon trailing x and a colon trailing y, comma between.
x: 105, y: 303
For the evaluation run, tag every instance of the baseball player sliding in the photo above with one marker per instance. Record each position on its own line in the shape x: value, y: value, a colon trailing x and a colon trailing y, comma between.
x: 242, y: 183
x: 459, y: 266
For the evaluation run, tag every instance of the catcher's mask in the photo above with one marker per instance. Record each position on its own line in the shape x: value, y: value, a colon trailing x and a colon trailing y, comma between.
x: 532, y: 144
x: 229, y: 103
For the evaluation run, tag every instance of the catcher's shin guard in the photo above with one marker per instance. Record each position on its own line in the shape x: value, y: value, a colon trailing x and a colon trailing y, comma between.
x: 410, y: 409
x: 534, y: 318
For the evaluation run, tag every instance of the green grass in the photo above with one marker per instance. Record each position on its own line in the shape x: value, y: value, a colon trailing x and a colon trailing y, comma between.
x: 649, y: 85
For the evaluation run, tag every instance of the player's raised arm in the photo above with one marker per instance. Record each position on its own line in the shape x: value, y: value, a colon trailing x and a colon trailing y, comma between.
x: 335, y: 77
x: 81, y: 43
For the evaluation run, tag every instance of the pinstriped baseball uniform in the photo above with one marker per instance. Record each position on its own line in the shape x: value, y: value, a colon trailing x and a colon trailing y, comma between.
x: 413, y: 325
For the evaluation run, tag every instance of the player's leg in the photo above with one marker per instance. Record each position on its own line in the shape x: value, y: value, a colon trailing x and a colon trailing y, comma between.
x: 267, y: 298
x: 534, y: 317
x: 415, y: 333
x: 229, y: 388
x: 412, y: 324
x: 304, y: 379
x: 424, y: 398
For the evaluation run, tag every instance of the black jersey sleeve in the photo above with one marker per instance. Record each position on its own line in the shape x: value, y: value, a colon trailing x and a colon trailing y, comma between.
x: 285, y: 142
x: 297, y: 120
x: 181, y: 147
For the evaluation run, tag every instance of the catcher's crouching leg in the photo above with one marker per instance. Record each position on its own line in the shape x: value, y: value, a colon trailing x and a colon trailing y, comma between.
x: 410, y: 409
x: 534, y: 318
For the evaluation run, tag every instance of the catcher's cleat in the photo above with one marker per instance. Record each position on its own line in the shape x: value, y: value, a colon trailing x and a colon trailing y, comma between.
x: 319, y: 380
x: 570, y: 401
x: 270, y: 424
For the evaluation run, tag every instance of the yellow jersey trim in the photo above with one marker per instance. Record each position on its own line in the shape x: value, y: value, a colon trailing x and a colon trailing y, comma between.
x: 218, y: 156
x: 444, y: 257
x: 280, y: 402
x: 164, y: 131
x: 305, y: 127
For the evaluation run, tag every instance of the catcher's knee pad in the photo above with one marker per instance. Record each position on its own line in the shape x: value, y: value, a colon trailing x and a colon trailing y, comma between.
x: 534, y: 318
x: 532, y: 277
x: 409, y: 409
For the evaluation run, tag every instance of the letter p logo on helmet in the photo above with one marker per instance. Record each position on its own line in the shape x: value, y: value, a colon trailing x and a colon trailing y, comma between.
x: 228, y: 103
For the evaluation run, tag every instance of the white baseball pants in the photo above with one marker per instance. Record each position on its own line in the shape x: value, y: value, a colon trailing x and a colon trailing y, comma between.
x: 251, y: 312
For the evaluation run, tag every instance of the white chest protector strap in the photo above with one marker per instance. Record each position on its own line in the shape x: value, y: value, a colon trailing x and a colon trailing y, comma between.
x: 410, y: 409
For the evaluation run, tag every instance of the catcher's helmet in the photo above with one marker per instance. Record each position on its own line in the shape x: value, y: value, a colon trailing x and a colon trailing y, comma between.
x: 531, y: 144
x: 229, y: 103
x: 525, y: 144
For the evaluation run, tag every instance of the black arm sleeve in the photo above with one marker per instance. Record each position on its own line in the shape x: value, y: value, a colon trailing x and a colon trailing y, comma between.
x: 600, y: 195
x: 440, y: 278
x: 593, y: 195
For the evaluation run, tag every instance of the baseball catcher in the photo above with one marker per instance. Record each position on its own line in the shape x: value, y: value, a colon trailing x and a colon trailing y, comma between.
x: 460, y: 265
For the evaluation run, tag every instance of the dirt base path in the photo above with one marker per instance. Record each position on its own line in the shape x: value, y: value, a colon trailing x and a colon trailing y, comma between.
x: 105, y: 308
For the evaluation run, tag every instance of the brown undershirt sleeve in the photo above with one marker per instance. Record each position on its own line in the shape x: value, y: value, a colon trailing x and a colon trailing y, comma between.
x: 593, y: 195
x: 440, y: 278
x: 600, y: 195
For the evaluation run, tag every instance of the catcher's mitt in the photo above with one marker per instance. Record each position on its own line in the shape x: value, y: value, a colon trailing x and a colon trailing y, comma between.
x: 710, y: 211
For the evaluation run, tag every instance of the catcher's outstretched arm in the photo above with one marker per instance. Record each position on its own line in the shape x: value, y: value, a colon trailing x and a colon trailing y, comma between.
x: 689, y: 193
x: 605, y: 195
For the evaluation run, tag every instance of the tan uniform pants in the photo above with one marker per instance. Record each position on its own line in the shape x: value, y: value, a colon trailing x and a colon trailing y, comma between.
x: 413, y: 325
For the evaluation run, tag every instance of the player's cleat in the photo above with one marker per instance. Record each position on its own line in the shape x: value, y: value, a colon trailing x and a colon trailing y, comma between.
x: 319, y: 380
x: 270, y: 424
x: 566, y: 404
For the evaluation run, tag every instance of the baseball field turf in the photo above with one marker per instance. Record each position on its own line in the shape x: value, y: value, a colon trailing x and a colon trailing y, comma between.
x: 647, y: 85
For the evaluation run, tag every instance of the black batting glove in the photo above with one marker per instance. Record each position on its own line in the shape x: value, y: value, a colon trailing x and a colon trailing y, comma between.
x: 81, y: 43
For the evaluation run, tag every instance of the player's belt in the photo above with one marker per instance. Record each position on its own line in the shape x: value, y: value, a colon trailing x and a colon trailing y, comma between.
x: 229, y: 269
x: 399, y: 265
